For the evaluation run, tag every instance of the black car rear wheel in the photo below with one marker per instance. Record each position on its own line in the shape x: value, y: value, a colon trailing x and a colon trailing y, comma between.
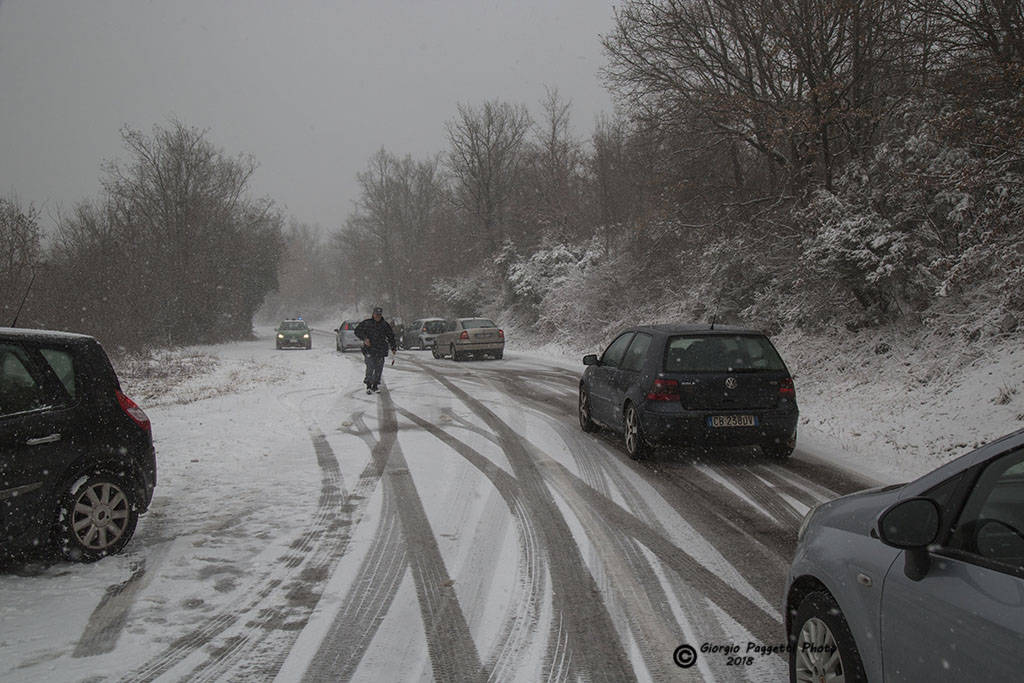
x: 586, y: 422
x: 823, y: 647
x: 96, y: 519
x: 636, y: 447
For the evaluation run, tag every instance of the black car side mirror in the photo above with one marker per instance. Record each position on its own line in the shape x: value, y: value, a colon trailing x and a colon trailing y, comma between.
x: 591, y: 359
x: 912, y: 525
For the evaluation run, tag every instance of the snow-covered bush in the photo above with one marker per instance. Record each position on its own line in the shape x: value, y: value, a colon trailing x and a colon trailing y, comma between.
x: 474, y: 294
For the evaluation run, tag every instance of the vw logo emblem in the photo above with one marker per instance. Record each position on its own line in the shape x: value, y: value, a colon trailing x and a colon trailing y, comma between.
x: 730, y: 382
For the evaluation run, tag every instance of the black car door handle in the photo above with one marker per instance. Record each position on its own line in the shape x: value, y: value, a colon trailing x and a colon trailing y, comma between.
x: 43, y: 439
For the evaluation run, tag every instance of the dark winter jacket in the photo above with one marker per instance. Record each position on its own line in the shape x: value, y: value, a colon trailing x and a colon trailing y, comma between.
x: 380, y: 335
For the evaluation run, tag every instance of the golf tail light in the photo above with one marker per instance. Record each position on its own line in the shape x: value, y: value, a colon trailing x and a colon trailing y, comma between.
x: 664, y: 390
x: 786, y: 389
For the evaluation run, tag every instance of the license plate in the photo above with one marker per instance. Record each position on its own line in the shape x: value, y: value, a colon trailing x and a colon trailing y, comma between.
x: 732, y: 421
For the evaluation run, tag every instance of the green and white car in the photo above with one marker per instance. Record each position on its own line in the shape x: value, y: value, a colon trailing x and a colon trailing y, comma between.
x: 294, y: 333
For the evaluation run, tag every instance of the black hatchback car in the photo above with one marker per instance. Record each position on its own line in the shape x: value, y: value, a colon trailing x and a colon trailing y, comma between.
x: 691, y: 385
x: 77, y: 465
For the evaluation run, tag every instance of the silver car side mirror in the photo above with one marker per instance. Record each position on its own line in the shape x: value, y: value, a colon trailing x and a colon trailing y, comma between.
x: 912, y: 525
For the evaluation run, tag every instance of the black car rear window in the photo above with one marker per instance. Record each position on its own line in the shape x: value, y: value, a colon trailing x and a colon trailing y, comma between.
x: 63, y: 366
x: 721, y: 353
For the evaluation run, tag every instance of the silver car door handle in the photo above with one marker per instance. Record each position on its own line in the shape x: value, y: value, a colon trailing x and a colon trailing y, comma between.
x: 43, y: 439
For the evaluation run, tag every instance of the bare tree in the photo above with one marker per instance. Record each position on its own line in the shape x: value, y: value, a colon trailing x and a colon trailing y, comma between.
x: 550, y: 193
x: 484, y: 160
x: 801, y: 82
x: 20, y: 254
x: 174, y: 251
x: 389, y: 242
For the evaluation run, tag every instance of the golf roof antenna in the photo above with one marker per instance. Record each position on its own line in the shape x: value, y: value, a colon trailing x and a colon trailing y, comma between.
x: 24, y: 298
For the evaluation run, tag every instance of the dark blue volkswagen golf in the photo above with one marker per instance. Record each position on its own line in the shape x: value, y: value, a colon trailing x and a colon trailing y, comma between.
x: 691, y: 385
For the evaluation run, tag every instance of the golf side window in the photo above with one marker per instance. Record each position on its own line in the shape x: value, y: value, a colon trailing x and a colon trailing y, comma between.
x: 637, y: 352
x: 612, y: 356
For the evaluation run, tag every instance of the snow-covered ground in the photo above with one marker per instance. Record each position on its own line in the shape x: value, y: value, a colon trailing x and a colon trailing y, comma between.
x: 232, y: 426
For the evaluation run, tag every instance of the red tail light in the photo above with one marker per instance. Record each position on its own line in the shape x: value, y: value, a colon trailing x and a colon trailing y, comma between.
x: 664, y: 390
x: 501, y: 333
x: 786, y: 388
x: 464, y: 335
x: 137, y: 414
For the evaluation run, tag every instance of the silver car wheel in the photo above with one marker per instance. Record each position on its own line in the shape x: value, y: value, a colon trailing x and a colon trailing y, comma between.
x: 100, y: 516
x: 817, y: 654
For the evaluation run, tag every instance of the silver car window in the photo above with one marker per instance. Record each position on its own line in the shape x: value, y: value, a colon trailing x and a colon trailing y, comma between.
x: 991, y: 525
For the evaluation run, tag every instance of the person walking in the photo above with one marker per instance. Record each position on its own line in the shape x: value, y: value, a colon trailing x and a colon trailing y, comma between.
x: 377, y: 337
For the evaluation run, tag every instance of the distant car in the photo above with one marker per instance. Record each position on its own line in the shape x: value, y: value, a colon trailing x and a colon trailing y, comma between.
x: 77, y: 465
x: 915, y: 582
x: 691, y: 385
x: 345, y: 336
x: 465, y: 337
x: 421, y: 333
x: 294, y: 333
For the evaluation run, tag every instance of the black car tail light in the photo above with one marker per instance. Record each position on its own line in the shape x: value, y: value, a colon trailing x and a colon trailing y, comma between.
x: 137, y: 414
x: 664, y: 390
x: 787, y: 389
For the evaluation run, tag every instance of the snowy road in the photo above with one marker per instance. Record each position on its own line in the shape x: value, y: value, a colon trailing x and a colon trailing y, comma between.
x: 457, y: 526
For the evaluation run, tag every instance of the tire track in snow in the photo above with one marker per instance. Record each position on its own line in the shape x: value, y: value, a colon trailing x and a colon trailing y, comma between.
x: 583, y: 625
x: 521, y: 618
x: 452, y: 652
x: 322, y: 542
x: 737, y: 554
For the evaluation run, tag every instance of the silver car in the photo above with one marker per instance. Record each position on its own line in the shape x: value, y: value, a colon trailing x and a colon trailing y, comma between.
x: 915, y: 582
x: 345, y: 336
x: 464, y: 337
x: 421, y: 333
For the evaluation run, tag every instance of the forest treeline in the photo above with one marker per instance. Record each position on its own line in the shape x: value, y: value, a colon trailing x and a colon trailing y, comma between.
x: 803, y: 163
x: 784, y: 163
x: 173, y: 251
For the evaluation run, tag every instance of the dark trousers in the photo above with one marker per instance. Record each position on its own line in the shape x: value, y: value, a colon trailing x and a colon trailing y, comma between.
x: 374, y: 366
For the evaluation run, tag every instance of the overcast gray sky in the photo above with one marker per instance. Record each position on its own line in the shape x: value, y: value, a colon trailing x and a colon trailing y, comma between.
x: 310, y: 88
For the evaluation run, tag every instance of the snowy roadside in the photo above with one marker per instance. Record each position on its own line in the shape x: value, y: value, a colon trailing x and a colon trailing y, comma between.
x: 885, y: 407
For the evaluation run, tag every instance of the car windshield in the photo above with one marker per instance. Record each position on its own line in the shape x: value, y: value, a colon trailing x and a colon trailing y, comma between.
x: 433, y: 326
x: 293, y: 325
x: 721, y: 353
x: 473, y: 323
